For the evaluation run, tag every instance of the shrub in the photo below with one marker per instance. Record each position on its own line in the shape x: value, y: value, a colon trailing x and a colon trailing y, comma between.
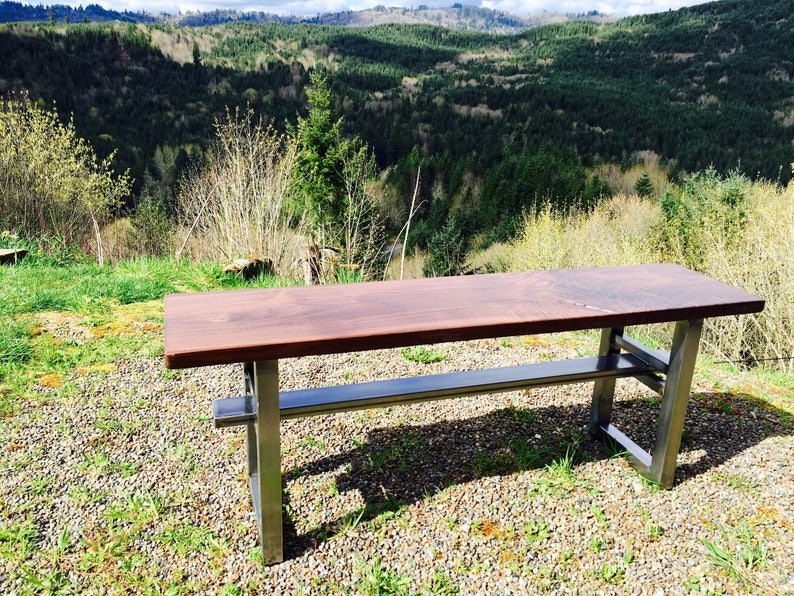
x: 50, y: 180
x: 736, y: 231
x: 236, y: 204
x: 704, y: 205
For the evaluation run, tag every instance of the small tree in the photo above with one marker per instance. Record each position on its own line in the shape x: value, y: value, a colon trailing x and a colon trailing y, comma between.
x: 319, y: 164
x: 332, y: 184
x: 51, y: 182
x: 644, y: 187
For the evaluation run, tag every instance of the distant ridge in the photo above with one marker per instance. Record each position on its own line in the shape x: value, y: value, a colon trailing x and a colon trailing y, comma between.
x: 457, y: 16
x: 13, y: 12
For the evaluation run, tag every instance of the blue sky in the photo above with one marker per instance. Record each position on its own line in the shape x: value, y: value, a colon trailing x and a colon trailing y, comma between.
x: 311, y: 7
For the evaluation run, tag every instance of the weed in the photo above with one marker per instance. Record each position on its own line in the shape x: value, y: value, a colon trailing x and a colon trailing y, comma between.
x: 423, y: 355
x: 523, y: 415
x: 527, y: 457
x: 182, y: 537
x: 628, y: 558
x: 312, y: 442
x: 749, y: 555
x: 599, y: 514
x: 55, y: 582
x: 17, y: 539
x: 440, y: 583
x: 350, y: 521
x: 99, y: 460
x: 37, y: 486
x: 450, y: 522
x: 612, y: 574
x: 82, y: 495
x: 376, y: 579
x: 735, y: 481
x: 655, y: 531
x: 595, y: 544
x: 535, y: 531
x: 484, y: 465
x: 693, y: 583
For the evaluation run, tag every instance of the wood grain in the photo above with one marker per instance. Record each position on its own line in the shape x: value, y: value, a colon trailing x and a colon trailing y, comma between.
x: 246, y: 325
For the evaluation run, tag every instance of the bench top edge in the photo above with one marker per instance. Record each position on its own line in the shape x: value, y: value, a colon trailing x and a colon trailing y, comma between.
x: 244, y: 325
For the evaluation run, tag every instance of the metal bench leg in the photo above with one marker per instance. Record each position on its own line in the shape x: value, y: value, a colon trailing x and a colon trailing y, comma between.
x: 264, y: 458
x: 674, y: 401
x: 604, y: 390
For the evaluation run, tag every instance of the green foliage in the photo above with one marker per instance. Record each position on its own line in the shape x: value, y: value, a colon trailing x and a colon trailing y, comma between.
x: 16, y: 346
x: 320, y: 160
x: 154, y: 232
x: 644, y: 186
x: 707, y: 202
x: 423, y: 354
x: 378, y: 580
x: 331, y: 175
x: 447, y: 249
x: 50, y: 179
x: 523, y: 181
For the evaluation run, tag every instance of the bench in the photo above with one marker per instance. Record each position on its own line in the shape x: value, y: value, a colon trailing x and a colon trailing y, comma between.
x: 11, y: 256
x: 259, y: 327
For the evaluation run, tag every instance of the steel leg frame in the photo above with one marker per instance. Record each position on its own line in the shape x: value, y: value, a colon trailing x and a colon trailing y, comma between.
x: 263, y: 434
x: 659, y: 467
x: 263, y: 439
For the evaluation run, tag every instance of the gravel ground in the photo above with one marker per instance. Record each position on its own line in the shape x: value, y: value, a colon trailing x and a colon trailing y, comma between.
x: 122, y: 485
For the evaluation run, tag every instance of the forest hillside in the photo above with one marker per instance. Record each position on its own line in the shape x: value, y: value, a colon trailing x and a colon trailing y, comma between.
x: 703, y: 86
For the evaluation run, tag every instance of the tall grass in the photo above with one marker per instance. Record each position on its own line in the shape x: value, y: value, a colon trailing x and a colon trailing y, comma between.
x: 734, y: 230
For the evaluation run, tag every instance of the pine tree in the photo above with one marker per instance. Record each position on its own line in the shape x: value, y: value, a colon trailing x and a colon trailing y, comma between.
x: 644, y: 187
x: 319, y: 165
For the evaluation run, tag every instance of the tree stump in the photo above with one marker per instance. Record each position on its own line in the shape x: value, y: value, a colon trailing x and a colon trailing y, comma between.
x: 250, y: 268
x: 312, y: 264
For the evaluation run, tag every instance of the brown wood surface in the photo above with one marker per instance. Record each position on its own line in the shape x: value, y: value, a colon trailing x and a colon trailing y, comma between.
x: 246, y: 325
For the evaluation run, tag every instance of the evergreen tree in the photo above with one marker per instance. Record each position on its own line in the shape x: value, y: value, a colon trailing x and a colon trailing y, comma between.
x: 330, y: 179
x: 318, y: 169
x: 644, y: 187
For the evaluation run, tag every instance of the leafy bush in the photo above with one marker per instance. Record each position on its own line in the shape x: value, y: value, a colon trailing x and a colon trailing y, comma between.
x: 705, y: 204
x: 50, y: 180
x: 726, y: 227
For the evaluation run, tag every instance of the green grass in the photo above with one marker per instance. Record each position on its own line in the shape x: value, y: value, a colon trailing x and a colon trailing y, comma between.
x: 739, y: 554
x: 377, y: 579
x: 63, y: 314
x: 423, y: 355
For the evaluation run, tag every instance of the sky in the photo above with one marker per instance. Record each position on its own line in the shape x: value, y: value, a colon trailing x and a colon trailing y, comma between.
x: 312, y: 7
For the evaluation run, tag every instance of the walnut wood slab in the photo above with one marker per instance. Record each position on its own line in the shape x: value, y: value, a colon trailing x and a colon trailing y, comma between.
x: 264, y: 324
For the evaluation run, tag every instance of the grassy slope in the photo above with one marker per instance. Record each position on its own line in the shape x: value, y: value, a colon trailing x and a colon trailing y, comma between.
x: 77, y: 322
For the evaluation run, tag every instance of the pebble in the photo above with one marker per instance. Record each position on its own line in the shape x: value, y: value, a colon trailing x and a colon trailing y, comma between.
x: 134, y: 453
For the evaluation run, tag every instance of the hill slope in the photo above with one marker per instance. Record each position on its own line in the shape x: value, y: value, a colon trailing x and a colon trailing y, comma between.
x: 708, y: 85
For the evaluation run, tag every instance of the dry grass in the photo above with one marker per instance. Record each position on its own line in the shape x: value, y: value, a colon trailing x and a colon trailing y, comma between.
x: 759, y: 261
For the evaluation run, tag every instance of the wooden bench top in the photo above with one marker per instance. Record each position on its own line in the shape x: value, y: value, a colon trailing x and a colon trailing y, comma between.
x: 224, y: 327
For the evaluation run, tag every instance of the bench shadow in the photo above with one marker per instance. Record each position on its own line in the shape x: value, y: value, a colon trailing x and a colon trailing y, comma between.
x: 401, y: 465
